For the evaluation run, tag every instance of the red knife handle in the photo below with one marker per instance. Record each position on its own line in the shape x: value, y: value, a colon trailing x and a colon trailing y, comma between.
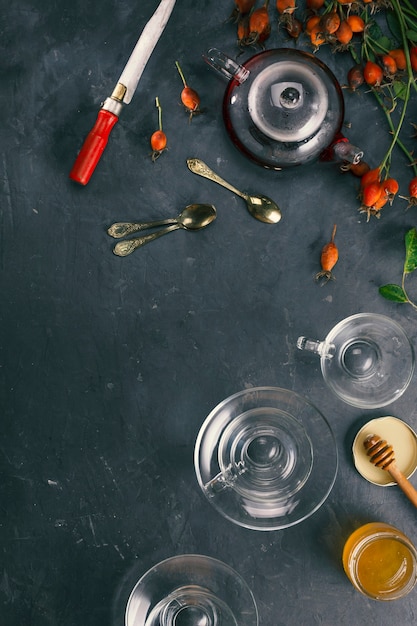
x: 93, y: 147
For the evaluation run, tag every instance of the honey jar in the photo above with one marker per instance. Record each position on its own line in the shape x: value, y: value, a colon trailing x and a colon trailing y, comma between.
x: 380, y: 561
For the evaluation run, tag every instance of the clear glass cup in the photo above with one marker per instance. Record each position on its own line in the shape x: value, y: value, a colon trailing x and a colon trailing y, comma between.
x: 380, y: 561
x: 266, y: 458
x: 366, y: 359
x: 191, y: 590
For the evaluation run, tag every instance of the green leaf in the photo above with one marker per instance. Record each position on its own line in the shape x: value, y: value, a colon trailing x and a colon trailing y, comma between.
x: 394, y: 25
x: 374, y: 30
x: 410, y: 263
x: 385, y: 43
x: 393, y: 292
x: 411, y: 35
x: 400, y: 90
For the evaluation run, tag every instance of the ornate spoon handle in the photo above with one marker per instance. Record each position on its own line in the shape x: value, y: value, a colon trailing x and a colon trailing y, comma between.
x: 200, y: 168
x: 124, y: 248
x: 122, y: 229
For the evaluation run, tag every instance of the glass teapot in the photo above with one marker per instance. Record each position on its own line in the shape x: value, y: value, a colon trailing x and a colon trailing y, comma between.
x: 283, y: 107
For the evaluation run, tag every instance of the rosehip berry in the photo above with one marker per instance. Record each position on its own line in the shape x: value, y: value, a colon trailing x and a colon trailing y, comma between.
x: 389, y: 64
x: 344, y: 33
x: 371, y: 194
x: 315, y: 5
x: 371, y: 176
x: 399, y: 55
x: 359, y: 169
x: 412, y: 190
x: 390, y: 187
x: 373, y: 74
x: 373, y: 199
x: 356, y: 23
x: 413, y: 58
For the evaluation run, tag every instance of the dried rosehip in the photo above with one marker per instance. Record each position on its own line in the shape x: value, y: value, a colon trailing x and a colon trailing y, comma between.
x: 330, y: 22
x: 294, y: 27
x: 355, y: 77
x: 315, y: 5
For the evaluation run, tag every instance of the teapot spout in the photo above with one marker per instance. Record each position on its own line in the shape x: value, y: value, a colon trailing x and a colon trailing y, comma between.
x: 225, y: 65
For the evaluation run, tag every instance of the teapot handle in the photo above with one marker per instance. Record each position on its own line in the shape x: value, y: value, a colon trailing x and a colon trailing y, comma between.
x: 225, y: 65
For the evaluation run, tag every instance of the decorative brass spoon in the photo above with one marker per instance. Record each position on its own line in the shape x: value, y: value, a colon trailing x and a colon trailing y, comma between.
x: 382, y: 455
x: 261, y: 207
x: 186, y: 219
x: 193, y: 217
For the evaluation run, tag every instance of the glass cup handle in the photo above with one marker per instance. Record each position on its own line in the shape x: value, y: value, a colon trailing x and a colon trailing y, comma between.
x: 224, y: 480
x: 225, y: 65
x: 317, y: 347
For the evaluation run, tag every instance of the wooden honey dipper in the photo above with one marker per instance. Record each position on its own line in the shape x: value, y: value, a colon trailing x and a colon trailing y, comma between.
x: 382, y: 455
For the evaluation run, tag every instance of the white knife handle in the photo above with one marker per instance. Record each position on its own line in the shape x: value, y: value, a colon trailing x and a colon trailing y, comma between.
x: 142, y: 51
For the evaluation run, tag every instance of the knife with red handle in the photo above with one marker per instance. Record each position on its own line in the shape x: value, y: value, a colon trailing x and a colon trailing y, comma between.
x: 108, y: 115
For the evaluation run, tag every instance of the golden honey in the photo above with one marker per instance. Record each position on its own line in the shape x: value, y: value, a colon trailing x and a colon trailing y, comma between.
x: 380, y: 561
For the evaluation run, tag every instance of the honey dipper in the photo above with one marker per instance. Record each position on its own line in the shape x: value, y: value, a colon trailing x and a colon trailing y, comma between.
x: 382, y: 455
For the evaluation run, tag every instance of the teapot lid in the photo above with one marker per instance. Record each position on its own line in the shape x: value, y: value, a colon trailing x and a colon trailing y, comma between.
x: 287, y: 111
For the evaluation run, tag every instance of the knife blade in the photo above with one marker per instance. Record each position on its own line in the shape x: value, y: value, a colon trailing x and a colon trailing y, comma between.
x: 122, y: 94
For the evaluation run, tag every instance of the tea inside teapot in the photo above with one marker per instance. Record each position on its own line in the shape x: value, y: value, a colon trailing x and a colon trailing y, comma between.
x: 282, y: 107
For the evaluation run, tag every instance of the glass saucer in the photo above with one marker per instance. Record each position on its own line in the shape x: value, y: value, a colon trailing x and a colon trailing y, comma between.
x: 266, y: 458
x: 191, y: 590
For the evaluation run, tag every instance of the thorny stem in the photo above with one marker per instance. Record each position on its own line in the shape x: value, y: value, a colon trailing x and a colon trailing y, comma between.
x: 395, y: 131
x: 398, y: 129
x: 403, y: 26
x: 370, y: 44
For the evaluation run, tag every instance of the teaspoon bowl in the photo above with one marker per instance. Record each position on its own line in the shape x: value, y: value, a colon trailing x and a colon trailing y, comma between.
x: 193, y: 217
x: 260, y: 207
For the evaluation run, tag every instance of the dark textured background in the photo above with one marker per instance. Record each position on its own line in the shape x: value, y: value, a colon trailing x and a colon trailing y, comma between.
x: 110, y: 365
